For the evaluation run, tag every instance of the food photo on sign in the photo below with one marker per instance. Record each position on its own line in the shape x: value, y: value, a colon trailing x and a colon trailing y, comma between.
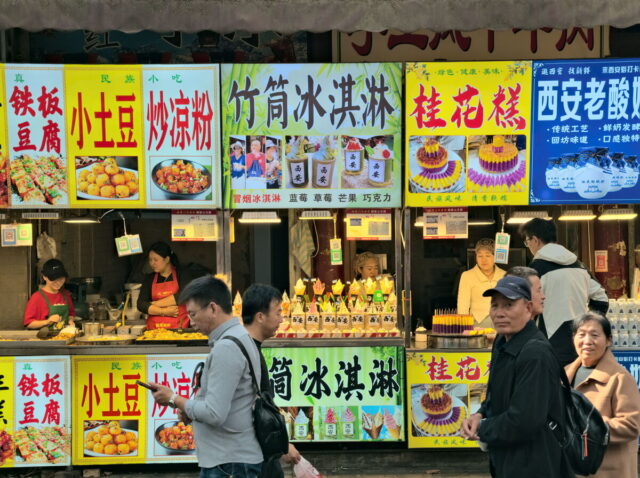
x: 107, y: 177
x: 497, y: 163
x: 437, y: 164
x: 437, y: 410
x: 299, y: 422
x: 42, y: 445
x: 256, y: 162
x: 109, y: 438
x: 187, y: 178
x: 173, y: 437
x: 38, y: 179
x: 382, y: 422
x: 311, y: 162
x: 368, y: 161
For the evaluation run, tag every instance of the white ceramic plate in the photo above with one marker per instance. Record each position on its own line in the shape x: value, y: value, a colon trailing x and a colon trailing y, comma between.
x: 82, y: 195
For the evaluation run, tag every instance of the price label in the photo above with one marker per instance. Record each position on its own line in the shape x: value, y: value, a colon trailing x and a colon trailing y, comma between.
x: 446, y: 223
x: 369, y: 225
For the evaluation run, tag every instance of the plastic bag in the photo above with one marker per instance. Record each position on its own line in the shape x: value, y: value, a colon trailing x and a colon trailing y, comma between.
x: 304, y: 469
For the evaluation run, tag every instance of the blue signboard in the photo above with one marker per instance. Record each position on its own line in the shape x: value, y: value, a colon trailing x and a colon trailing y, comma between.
x: 631, y: 361
x: 586, y: 132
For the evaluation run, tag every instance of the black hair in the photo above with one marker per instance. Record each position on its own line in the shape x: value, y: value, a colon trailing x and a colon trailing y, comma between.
x: 258, y: 298
x: 540, y: 228
x: 205, y: 290
x: 164, y: 250
x: 595, y: 317
x: 522, y: 271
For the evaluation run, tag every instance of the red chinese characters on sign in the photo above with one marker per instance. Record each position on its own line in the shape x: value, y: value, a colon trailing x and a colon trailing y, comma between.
x: 28, y: 386
x: 438, y: 370
x: 191, y: 120
x: 48, y: 105
x: 81, y: 123
x: 181, y: 385
x: 509, y: 117
x: 468, y: 369
x: 467, y: 111
x: 92, y: 396
x: 426, y: 111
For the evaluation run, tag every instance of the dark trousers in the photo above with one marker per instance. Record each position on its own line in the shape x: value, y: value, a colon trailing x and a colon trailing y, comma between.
x: 561, y: 341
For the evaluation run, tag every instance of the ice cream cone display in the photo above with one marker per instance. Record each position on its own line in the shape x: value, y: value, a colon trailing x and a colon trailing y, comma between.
x: 330, y: 424
x: 370, y: 286
x: 380, y: 166
x: 372, y: 321
x: 286, y: 305
x: 441, y: 416
x: 336, y: 288
x: 386, y: 286
x: 444, y: 323
x: 393, y: 427
x: 347, y: 421
x: 389, y: 319
x: 355, y: 290
x: 312, y: 320
x: 343, y: 320
x: 297, y: 321
x: 497, y: 167
x: 328, y: 319
x: 301, y: 426
x: 392, y: 300
x: 300, y: 288
x: 323, y: 164
x: 318, y: 287
x: 353, y: 157
x: 372, y: 424
x: 357, y: 318
x: 237, y: 305
x: 298, y: 161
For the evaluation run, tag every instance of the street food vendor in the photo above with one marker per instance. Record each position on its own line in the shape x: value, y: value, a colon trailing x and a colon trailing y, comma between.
x: 160, y: 289
x: 474, y: 282
x: 367, y: 265
x: 51, y: 306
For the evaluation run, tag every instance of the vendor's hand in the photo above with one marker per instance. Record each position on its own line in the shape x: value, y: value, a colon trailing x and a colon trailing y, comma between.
x: 171, y: 311
x: 293, y: 456
x: 54, y: 319
x: 470, y: 426
x: 162, y: 394
x: 183, y: 417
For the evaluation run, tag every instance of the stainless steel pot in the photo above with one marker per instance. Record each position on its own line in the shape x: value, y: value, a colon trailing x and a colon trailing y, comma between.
x: 91, y: 328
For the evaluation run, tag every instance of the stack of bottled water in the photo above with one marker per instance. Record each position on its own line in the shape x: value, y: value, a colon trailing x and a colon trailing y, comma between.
x: 624, y: 315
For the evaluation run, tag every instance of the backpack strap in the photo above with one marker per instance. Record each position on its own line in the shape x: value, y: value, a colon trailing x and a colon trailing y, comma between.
x: 246, y: 355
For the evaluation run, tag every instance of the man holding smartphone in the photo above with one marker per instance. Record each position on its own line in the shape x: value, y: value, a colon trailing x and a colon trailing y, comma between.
x: 221, y: 410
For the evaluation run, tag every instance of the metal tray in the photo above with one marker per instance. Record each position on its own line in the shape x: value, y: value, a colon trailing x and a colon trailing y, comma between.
x: 95, y: 340
x: 457, y: 341
x: 29, y: 339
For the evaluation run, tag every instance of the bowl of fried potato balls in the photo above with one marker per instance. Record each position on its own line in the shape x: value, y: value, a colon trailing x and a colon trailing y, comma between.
x: 105, y: 179
x: 110, y: 439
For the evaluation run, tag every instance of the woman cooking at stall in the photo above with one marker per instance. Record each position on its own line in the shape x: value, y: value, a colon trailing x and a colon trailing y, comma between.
x: 51, y: 306
x: 160, y: 290
x: 474, y: 282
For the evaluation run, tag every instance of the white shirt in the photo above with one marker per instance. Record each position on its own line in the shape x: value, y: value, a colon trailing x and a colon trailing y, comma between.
x: 473, y: 283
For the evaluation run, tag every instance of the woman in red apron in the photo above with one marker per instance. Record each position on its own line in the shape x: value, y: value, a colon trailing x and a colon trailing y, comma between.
x: 51, y: 306
x: 160, y: 290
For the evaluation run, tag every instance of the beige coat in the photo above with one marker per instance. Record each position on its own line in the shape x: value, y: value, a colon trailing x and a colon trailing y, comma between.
x: 615, y: 395
x: 473, y: 283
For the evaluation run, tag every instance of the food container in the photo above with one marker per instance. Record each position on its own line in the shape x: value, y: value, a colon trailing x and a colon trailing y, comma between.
x: 323, y: 172
x: 91, y: 328
x: 105, y: 340
x: 298, y: 171
x: 179, y: 195
x: 458, y: 341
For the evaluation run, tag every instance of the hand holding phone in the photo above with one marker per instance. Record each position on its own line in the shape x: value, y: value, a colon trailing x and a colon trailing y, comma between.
x: 146, y: 385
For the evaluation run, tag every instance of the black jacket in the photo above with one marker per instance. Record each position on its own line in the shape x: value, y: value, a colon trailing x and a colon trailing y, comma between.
x: 523, y: 392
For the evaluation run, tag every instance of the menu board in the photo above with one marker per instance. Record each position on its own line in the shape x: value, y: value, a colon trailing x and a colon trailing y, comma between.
x: 182, y: 134
x: 586, y: 129
x: 110, y: 410
x: 36, y: 135
x: 339, y: 393
x: 35, y: 412
x: 105, y: 136
x: 468, y: 135
x: 443, y: 389
x: 313, y: 135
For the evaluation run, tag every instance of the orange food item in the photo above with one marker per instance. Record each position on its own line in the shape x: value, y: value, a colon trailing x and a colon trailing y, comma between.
x: 98, y: 448
x: 123, y: 449
x: 181, y: 178
x: 110, y: 449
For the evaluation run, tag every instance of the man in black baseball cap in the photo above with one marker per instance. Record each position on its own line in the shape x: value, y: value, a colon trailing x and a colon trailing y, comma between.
x: 523, y: 391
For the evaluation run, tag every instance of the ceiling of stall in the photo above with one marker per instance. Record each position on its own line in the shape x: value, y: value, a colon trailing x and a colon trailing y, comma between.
x: 313, y: 15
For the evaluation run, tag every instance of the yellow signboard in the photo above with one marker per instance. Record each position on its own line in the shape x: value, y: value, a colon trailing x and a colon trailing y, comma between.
x: 443, y: 389
x: 7, y: 446
x: 468, y: 133
x: 5, y: 182
x: 110, y: 410
x: 105, y: 139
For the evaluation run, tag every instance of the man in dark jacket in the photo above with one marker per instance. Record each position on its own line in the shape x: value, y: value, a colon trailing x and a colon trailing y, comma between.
x: 523, y: 392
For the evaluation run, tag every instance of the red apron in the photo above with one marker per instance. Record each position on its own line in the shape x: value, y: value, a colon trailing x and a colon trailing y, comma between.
x: 160, y: 291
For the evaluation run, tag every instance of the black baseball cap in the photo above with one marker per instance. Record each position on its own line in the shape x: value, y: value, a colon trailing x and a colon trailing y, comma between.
x: 512, y: 288
x: 54, y: 269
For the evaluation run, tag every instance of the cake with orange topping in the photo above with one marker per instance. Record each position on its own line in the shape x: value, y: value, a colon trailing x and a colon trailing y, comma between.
x: 498, y: 157
x: 439, y: 174
x: 436, y: 403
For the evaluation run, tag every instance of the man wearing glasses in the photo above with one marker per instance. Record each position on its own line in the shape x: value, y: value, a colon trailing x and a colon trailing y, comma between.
x: 221, y: 410
x: 568, y: 287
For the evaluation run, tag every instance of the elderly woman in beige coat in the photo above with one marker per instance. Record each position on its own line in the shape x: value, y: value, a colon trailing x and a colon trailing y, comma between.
x: 612, y: 390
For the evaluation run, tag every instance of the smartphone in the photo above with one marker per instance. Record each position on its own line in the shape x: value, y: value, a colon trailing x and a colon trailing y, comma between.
x: 146, y: 385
